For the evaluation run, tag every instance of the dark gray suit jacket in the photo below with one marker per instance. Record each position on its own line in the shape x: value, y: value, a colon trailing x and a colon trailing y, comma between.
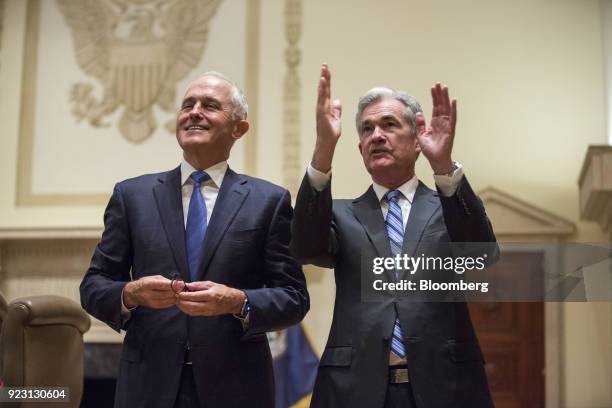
x: 246, y: 247
x: 444, y: 358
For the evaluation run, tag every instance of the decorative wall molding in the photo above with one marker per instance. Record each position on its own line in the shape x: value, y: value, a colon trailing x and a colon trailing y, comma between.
x: 8, y: 234
x: 517, y: 221
x: 1, y: 19
x: 35, y: 251
x: 252, y: 84
x: 25, y: 194
x: 138, y: 67
x: 292, y: 167
x: 595, y: 183
x: 514, y: 218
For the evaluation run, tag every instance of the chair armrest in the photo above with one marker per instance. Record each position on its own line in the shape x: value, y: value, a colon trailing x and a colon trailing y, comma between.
x: 50, y: 309
x: 3, y: 309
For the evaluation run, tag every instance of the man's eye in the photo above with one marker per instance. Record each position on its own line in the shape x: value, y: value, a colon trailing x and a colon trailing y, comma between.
x: 186, y: 107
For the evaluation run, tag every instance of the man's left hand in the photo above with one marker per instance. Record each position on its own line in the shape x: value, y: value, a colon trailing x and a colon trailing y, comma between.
x: 436, y: 140
x: 206, y: 298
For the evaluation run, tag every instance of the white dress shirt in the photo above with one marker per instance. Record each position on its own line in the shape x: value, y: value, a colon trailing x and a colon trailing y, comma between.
x: 209, y: 188
x: 447, y: 185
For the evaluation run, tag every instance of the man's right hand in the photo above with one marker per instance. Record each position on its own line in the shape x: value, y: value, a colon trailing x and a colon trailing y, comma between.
x: 329, y: 123
x: 150, y: 291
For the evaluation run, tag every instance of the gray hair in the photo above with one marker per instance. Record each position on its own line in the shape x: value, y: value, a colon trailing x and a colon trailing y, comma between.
x: 241, y: 107
x: 378, y: 93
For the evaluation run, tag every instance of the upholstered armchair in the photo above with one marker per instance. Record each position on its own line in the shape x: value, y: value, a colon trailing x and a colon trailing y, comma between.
x: 3, y: 310
x: 41, y: 344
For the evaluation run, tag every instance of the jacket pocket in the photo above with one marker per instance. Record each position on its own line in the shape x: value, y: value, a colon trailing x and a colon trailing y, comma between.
x: 336, y: 357
x: 436, y: 232
x: 246, y: 235
x: 465, y: 351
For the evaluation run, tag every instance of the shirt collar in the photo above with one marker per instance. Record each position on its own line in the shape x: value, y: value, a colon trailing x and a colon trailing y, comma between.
x: 216, y: 172
x: 408, y: 189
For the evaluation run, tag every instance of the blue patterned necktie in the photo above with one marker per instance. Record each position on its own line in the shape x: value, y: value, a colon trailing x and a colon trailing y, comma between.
x: 395, y: 232
x: 196, y: 224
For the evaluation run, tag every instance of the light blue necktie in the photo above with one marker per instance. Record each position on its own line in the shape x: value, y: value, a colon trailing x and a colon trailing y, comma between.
x: 395, y: 232
x: 195, y: 229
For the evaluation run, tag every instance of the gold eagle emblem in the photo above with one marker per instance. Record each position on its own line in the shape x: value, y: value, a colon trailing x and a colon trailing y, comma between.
x: 138, y: 50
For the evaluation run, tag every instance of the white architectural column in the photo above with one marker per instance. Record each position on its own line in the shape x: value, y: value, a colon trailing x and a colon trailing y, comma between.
x: 606, y: 34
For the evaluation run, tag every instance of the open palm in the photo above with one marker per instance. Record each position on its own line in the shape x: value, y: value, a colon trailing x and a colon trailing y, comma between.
x: 436, y: 140
x: 329, y: 115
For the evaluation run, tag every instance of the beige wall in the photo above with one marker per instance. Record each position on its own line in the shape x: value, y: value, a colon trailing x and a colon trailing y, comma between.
x: 528, y: 76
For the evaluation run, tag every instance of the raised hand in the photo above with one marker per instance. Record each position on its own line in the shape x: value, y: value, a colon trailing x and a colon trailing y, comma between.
x: 436, y: 140
x: 329, y: 123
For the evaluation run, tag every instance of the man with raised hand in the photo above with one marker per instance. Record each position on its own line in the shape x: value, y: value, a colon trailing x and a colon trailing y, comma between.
x: 391, y: 353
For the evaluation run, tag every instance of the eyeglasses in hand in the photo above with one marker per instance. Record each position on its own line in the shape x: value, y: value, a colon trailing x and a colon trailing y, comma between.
x: 177, y: 284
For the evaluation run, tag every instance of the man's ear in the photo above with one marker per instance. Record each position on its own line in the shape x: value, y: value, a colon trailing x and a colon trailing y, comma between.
x: 359, y: 147
x: 420, y: 123
x: 240, y: 129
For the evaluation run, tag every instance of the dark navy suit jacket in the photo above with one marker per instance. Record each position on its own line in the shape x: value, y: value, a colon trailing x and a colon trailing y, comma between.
x: 246, y: 247
x: 445, y: 362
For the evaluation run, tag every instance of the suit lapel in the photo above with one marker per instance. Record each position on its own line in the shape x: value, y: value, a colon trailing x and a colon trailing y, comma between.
x: 367, y: 210
x: 424, y: 204
x: 170, y: 206
x: 231, y: 196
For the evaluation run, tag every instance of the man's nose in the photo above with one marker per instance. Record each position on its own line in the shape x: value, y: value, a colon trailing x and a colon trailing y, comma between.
x: 196, y: 110
x: 377, y: 134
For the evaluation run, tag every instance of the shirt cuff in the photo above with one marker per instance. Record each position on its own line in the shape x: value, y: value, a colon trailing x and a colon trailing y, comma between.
x: 318, y: 180
x: 448, y: 183
x: 244, y: 321
x: 125, y: 312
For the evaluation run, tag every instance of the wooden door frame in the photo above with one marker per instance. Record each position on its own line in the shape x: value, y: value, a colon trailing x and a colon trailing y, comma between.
x: 553, y: 319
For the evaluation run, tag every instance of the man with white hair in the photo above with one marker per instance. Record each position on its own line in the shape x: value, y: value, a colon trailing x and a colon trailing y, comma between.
x: 194, y: 264
x: 389, y: 353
